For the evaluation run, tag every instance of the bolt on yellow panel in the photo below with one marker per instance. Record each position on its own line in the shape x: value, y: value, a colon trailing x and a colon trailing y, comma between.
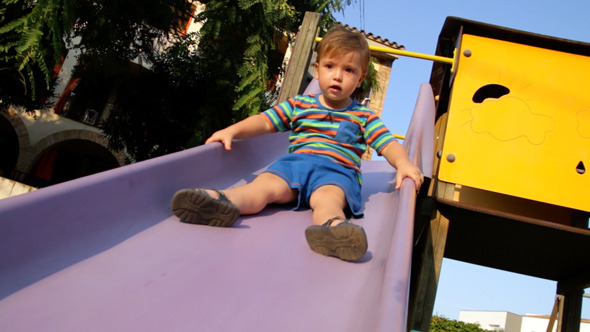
x: 519, y: 122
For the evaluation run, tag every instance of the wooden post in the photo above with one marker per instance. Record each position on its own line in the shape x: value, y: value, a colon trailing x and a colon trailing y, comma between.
x: 430, y: 242
x: 299, y: 63
x: 572, y: 291
x: 426, y: 268
x: 571, y: 316
x: 425, y: 283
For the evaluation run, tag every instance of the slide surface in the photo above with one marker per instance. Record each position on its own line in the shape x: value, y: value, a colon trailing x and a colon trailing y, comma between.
x: 104, y: 253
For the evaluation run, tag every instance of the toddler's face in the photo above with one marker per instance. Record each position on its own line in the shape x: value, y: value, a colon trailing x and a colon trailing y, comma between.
x: 338, y: 78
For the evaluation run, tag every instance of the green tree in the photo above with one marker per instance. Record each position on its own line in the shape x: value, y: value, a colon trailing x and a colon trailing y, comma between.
x: 224, y: 82
x: 239, y: 40
x: 186, y: 95
x: 28, y: 50
x: 34, y: 35
x: 160, y: 111
x: 443, y: 324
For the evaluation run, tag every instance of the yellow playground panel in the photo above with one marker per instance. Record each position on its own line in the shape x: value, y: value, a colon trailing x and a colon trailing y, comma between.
x: 519, y: 122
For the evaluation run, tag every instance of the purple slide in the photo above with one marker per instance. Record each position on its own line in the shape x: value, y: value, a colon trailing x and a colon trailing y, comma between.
x: 104, y: 253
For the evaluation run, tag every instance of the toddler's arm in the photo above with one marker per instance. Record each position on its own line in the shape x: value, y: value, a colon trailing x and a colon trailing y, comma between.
x: 397, y: 156
x: 252, y: 126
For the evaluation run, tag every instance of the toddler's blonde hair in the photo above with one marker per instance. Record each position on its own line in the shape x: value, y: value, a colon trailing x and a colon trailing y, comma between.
x: 339, y: 41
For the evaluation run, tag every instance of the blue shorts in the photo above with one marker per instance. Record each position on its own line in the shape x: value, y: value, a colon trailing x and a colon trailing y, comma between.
x: 307, y: 172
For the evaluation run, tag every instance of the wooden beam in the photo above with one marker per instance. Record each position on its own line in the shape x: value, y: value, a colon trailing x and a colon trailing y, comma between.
x: 556, y: 314
x: 580, y: 281
x: 299, y: 62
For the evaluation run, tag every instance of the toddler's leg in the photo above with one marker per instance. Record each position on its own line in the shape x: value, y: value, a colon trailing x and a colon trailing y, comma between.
x: 326, y: 203
x: 215, y: 208
x: 267, y: 188
x: 332, y: 234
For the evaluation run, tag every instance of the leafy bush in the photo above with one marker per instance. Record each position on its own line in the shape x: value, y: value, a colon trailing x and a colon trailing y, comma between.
x: 443, y: 324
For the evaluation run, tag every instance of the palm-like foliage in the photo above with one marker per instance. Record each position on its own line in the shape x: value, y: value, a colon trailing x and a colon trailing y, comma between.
x: 31, y: 42
x: 240, y: 38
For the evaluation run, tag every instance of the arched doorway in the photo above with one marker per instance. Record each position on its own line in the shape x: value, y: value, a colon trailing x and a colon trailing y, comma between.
x: 71, y: 159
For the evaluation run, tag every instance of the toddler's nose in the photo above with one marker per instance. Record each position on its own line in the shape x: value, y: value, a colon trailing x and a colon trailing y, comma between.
x: 337, y: 75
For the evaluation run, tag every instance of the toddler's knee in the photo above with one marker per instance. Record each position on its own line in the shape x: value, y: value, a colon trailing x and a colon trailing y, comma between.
x: 329, y: 195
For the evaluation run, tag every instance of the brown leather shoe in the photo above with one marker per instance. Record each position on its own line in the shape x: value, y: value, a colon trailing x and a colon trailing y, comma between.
x: 195, y: 206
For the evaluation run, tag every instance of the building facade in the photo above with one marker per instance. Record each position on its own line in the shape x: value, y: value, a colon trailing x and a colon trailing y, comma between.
x: 510, y: 322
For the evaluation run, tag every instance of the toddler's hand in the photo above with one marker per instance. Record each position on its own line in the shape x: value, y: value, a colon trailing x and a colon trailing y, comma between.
x: 408, y: 170
x: 223, y: 136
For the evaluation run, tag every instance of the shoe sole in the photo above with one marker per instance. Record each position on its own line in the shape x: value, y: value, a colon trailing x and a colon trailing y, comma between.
x: 345, y: 241
x: 197, y: 207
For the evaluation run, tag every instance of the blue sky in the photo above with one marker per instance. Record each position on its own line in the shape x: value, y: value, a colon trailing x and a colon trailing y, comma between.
x: 416, y: 25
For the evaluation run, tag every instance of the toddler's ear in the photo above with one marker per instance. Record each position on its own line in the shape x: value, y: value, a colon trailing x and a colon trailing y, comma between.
x: 361, y: 79
x: 315, y: 66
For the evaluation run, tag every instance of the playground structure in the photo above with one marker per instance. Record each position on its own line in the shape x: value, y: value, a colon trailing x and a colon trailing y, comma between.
x: 510, y: 188
x: 103, y: 252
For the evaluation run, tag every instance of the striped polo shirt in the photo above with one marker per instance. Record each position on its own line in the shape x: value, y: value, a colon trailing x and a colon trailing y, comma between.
x: 341, y: 135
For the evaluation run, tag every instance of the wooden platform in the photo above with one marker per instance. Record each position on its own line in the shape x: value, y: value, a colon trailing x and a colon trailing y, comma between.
x: 517, y: 244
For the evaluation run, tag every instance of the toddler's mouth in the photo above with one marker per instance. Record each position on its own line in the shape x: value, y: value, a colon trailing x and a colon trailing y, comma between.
x: 335, y: 87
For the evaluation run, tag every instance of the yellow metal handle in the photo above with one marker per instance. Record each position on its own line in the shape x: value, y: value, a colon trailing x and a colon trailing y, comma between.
x: 392, y: 50
x: 412, y: 54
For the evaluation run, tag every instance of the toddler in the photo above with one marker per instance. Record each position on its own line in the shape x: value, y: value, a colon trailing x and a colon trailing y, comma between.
x: 329, y: 134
